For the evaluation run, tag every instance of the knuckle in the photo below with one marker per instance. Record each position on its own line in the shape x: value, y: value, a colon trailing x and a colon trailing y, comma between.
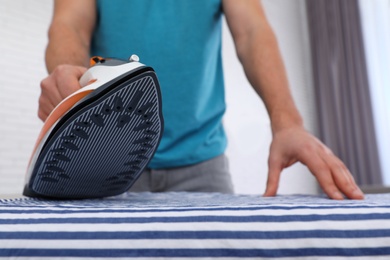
x: 326, y: 150
x: 343, y: 180
x: 44, y: 84
x: 61, y: 68
x: 307, y: 149
x: 41, y: 115
x: 306, y: 146
x: 41, y: 102
x: 275, y: 162
x: 272, y: 160
x: 336, y: 167
x: 314, y: 147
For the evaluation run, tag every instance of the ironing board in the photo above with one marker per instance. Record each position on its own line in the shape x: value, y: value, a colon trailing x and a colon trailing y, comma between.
x: 196, y: 225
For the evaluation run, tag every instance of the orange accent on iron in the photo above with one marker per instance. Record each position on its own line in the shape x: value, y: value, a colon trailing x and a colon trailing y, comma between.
x: 94, y: 60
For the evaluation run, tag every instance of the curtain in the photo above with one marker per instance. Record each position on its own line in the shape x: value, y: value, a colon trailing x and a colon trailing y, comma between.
x: 342, y: 88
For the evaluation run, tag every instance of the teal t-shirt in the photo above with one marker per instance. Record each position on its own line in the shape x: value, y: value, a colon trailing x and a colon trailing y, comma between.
x: 181, y: 40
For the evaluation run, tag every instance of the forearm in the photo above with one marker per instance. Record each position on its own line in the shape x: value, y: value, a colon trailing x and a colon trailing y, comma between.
x: 259, y: 54
x: 65, y: 46
x: 70, y: 33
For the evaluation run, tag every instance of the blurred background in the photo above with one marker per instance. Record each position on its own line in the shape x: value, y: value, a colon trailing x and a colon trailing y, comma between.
x: 319, y: 55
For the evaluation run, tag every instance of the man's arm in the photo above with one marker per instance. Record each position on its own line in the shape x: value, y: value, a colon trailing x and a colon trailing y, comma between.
x: 258, y: 51
x: 67, y: 53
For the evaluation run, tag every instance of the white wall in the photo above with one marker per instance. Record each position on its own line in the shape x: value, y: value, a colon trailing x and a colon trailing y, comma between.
x: 23, y: 28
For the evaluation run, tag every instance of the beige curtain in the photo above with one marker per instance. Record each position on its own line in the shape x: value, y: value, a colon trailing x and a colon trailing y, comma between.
x: 341, y: 86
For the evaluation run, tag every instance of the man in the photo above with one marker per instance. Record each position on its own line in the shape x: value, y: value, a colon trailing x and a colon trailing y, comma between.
x: 182, y: 41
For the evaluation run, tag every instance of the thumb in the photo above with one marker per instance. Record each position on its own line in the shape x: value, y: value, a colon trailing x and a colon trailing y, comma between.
x: 274, y: 170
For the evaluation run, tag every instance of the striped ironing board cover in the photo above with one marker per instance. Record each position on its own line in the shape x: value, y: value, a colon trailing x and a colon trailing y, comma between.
x: 196, y: 225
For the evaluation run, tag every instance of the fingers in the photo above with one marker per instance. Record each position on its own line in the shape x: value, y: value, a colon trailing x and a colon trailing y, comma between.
x: 274, y: 171
x: 49, y: 98
x: 323, y: 174
x: 343, y: 178
x: 67, y: 79
x: 58, y: 85
x: 332, y: 175
x: 289, y: 146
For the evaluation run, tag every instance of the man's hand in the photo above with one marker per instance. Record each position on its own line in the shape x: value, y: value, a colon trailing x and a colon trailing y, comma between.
x: 294, y: 144
x: 62, y: 82
x: 67, y: 54
x: 258, y: 51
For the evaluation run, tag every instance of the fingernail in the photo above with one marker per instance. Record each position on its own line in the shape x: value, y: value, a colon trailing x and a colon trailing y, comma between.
x: 358, y: 193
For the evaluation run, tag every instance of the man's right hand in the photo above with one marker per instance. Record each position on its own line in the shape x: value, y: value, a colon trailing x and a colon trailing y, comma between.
x: 62, y: 82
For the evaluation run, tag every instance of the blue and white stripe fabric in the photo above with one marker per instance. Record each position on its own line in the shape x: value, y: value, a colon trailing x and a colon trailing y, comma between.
x: 196, y: 225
